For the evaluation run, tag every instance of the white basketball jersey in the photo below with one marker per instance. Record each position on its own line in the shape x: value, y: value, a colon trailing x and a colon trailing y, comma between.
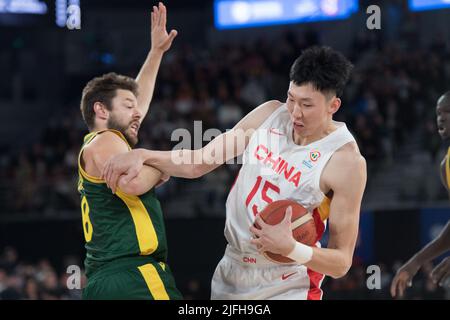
x: 275, y: 168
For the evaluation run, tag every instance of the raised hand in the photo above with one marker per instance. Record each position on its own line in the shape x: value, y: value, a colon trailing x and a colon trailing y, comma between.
x: 161, y: 40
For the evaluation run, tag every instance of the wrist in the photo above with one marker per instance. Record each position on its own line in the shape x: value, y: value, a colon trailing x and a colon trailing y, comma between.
x: 156, y: 52
x: 301, y: 253
x: 143, y: 155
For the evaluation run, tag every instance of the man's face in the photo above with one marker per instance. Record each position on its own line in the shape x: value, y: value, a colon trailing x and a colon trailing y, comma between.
x: 125, y: 116
x: 310, y: 109
x: 443, y: 120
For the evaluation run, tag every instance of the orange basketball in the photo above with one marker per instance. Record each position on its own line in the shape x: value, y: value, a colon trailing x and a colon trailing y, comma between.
x: 303, y: 226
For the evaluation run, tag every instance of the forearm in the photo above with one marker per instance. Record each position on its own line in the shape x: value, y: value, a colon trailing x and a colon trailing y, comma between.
x: 176, y: 163
x: 435, y: 248
x: 142, y: 183
x: 146, y: 79
x: 331, y: 262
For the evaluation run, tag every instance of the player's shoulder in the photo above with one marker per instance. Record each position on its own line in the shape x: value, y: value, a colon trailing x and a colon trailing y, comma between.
x: 272, y: 104
x: 267, y: 108
x: 348, y: 157
x: 108, y: 139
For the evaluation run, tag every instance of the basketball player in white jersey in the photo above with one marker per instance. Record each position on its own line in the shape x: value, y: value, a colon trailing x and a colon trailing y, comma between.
x: 292, y: 150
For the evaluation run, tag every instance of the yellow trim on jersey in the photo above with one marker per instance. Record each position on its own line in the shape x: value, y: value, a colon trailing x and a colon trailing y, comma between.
x: 324, y: 208
x: 154, y: 282
x: 447, y: 168
x: 145, y: 231
x: 87, y: 139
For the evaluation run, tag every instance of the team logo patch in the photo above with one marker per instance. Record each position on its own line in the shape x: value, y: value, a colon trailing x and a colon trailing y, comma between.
x: 314, y: 155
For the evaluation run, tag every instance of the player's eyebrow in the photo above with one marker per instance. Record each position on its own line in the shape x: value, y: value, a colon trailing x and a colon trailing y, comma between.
x: 304, y: 99
x: 129, y: 99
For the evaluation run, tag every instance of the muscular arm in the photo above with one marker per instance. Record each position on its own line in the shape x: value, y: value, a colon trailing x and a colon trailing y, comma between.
x: 435, y: 248
x: 192, y: 163
x: 161, y: 42
x: 345, y: 174
x: 103, y: 148
x: 221, y: 149
x: 347, y: 179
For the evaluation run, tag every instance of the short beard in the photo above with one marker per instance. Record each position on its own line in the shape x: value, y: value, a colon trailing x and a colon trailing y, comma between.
x: 112, y: 123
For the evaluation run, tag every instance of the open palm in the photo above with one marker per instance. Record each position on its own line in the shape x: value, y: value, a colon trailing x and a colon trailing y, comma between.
x: 161, y: 40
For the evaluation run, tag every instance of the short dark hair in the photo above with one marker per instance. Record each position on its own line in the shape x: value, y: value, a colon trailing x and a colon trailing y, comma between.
x: 103, y: 89
x: 326, y: 69
x: 444, y: 100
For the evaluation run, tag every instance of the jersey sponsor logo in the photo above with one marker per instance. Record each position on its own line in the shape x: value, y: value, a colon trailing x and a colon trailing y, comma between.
x: 314, y: 155
x: 276, y: 131
x: 249, y: 260
x: 278, y: 164
x: 285, y: 276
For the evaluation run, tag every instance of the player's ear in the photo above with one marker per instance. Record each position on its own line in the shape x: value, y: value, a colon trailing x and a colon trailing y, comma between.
x: 101, y: 111
x: 335, y: 104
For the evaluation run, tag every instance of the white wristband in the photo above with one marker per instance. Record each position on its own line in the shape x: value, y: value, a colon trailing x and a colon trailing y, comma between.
x: 301, y: 253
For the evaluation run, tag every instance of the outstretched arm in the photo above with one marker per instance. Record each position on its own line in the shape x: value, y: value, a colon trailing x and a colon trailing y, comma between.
x: 161, y: 42
x: 435, y: 248
x: 191, y: 163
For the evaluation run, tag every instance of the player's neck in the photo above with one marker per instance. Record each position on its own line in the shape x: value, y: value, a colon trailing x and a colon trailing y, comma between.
x: 320, y: 134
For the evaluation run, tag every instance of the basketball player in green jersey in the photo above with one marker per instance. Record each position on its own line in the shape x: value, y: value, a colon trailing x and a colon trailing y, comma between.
x: 440, y: 245
x: 124, y: 232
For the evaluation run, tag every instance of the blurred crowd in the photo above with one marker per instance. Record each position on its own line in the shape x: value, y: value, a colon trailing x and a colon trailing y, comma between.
x: 42, y: 280
x: 38, y: 280
x: 389, y: 100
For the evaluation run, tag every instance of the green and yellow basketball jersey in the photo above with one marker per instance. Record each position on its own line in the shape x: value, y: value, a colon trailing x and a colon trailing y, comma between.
x: 118, y: 225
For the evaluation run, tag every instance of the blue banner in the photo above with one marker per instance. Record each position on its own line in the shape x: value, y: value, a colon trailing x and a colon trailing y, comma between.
x: 231, y: 14
x: 420, y: 5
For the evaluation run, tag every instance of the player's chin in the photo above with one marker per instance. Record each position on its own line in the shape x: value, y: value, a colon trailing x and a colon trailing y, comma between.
x: 444, y: 135
x: 132, y: 137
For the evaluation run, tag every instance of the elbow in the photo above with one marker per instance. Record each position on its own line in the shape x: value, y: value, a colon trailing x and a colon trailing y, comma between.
x: 341, y: 270
x: 195, y: 172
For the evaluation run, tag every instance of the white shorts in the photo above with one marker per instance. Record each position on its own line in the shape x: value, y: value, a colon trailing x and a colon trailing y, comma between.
x: 240, y: 276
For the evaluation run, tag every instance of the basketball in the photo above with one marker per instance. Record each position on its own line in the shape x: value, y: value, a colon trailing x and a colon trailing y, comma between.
x: 303, y: 226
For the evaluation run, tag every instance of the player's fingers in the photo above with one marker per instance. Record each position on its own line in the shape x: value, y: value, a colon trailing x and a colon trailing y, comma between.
x: 394, y: 287
x: 152, y: 20
x: 173, y: 33
x: 108, y: 174
x: 104, y: 171
x: 260, y: 221
x: 114, y: 180
x: 163, y: 15
x: 131, y: 174
x: 156, y: 15
x: 255, y: 231
x: 255, y: 242
x: 159, y: 14
x: 288, y: 215
x: 401, y: 288
x: 168, y: 41
x: 437, y: 272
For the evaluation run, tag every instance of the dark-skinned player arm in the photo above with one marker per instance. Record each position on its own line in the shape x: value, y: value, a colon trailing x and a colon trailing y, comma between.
x: 224, y: 147
x: 191, y: 163
x: 160, y: 43
x: 108, y: 145
x: 435, y: 248
x: 348, y: 184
